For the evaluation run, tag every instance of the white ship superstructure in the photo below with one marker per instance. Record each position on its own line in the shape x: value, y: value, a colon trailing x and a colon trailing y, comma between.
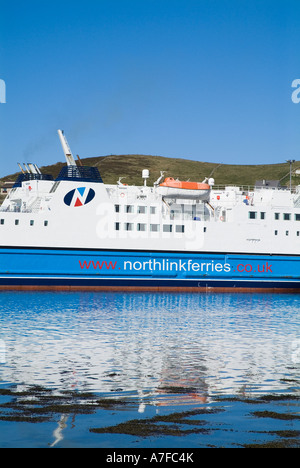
x: 76, y: 231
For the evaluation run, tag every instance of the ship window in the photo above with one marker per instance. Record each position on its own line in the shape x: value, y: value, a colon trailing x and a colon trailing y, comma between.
x: 129, y: 208
x: 286, y: 233
x: 277, y: 216
x: 297, y: 217
x: 117, y: 208
x: 287, y: 216
x: 142, y: 209
x: 298, y: 233
x: 141, y: 227
x: 252, y: 214
x: 154, y: 227
x: 152, y: 209
x: 117, y: 226
x: 180, y: 228
x: 276, y: 233
x: 31, y: 222
x: 45, y: 223
x: 1, y: 221
x: 16, y: 222
x: 128, y: 226
x: 167, y: 228
x: 262, y: 215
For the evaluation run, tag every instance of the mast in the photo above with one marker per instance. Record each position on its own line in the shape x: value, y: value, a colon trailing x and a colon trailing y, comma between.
x: 66, y: 149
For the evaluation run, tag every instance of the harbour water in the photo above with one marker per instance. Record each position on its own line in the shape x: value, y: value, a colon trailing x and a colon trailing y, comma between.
x: 149, y: 370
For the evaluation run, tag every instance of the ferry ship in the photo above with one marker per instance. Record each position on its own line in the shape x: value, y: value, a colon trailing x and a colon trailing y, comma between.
x: 75, y: 232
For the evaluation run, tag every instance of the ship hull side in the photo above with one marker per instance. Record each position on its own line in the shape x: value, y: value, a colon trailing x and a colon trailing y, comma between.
x: 78, y: 269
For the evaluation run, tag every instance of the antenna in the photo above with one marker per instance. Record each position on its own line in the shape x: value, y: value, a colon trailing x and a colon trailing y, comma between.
x: 66, y: 148
x: 145, y: 176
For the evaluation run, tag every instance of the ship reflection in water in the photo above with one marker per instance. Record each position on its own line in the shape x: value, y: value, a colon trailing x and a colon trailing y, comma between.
x: 164, y: 349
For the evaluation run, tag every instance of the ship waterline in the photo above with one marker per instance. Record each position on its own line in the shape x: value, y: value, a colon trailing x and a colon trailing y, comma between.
x: 159, y: 271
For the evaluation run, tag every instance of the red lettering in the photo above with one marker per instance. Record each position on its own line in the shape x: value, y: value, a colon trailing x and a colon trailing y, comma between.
x: 97, y: 265
x: 100, y: 265
x: 241, y: 268
x: 269, y: 268
x: 84, y: 265
x: 260, y: 268
x: 110, y: 265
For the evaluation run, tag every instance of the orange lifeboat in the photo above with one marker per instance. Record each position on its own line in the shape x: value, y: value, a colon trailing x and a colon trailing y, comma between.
x: 184, y: 189
x: 170, y: 182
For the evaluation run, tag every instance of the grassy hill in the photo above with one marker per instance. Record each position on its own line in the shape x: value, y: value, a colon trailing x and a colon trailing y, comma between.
x: 130, y: 167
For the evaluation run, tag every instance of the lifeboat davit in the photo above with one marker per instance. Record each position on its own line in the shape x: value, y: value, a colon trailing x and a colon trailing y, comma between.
x: 183, y: 189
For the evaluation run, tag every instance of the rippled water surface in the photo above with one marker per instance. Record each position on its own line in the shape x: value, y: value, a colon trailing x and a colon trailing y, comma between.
x: 159, y: 353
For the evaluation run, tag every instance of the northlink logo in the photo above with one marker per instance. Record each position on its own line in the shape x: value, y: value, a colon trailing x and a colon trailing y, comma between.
x: 79, y: 197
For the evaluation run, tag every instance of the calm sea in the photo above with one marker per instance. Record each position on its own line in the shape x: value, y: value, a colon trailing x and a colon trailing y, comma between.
x: 155, y: 370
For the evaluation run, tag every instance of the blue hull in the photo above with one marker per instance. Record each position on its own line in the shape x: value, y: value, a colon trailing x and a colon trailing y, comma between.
x: 68, y: 268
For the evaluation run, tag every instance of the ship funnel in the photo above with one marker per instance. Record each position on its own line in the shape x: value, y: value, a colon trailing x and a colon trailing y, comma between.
x: 37, y: 169
x: 22, y: 170
x: 32, y: 168
x: 27, y: 169
x: 66, y: 149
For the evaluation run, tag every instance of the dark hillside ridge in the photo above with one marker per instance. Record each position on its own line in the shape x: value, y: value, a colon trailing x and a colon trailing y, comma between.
x: 130, y: 167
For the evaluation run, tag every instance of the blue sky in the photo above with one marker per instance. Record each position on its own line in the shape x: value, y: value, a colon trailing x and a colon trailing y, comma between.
x: 208, y: 80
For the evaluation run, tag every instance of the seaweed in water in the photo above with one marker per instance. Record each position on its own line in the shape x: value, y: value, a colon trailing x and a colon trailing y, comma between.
x: 37, y: 404
x: 154, y: 426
